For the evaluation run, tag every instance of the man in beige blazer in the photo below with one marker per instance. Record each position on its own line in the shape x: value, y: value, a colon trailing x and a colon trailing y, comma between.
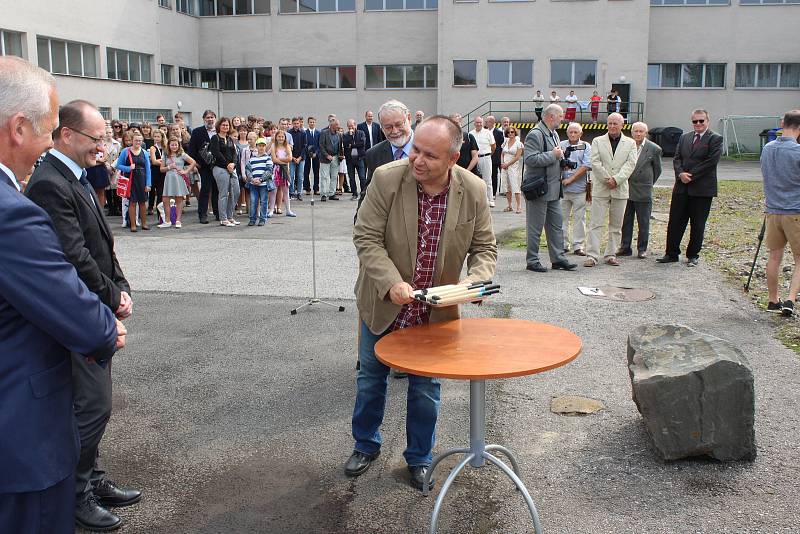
x: 613, y: 161
x: 421, y: 217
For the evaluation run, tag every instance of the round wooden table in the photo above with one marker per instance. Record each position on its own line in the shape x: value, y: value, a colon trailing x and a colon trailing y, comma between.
x: 477, y: 350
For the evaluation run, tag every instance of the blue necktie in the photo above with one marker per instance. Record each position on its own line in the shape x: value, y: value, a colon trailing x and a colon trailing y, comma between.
x: 399, y: 154
x: 87, y: 186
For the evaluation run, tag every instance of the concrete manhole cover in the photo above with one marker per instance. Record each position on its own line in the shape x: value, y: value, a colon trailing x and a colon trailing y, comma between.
x: 620, y: 294
x: 575, y: 405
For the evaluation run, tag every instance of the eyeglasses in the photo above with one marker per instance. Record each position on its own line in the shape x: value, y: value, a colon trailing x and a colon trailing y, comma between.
x: 698, y: 121
x: 117, y: 126
x: 96, y: 140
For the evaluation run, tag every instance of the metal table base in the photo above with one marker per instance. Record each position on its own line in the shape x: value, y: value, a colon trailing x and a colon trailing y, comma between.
x: 476, y: 455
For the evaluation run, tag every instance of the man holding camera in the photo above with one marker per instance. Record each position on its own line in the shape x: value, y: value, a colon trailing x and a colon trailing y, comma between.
x: 613, y: 160
x: 543, y: 156
x: 574, y: 179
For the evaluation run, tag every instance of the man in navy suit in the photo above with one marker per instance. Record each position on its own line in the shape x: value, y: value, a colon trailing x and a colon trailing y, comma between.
x: 45, y: 312
x: 695, y: 164
x: 60, y: 188
x: 372, y: 130
x: 312, y: 160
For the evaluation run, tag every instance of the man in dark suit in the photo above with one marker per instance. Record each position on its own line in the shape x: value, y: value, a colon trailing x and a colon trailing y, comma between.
x: 312, y: 160
x: 46, y: 311
x: 354, y: 141
x: 208, y: 186
x: 640, y: 192
x: 298, y: 163
x: 695, y: 164
x: 499, y: 138
x: 372, y: 130
x: 59, y: 186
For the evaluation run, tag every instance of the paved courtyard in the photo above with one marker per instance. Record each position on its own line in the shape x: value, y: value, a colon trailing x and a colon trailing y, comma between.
x: 233, y: 416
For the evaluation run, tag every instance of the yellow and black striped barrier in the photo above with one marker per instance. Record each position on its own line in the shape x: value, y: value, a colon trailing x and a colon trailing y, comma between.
x: 563, y: 126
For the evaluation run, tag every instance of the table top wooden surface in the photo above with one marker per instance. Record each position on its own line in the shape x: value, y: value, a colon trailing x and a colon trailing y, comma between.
x: 478, y: 349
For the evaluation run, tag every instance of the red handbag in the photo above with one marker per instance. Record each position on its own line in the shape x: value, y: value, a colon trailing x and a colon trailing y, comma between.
x: 124, y: 182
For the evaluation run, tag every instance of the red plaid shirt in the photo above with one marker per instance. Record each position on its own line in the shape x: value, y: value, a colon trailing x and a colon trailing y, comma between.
x: 430, y: 217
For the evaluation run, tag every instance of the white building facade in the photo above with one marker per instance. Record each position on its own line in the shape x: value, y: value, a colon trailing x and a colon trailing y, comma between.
x: 274, y: 58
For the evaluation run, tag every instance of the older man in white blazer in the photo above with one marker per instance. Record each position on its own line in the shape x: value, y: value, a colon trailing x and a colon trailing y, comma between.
x: 613, y: 161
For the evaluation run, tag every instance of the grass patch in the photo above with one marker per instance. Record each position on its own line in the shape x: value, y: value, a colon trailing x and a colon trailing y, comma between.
x: 740, y: 157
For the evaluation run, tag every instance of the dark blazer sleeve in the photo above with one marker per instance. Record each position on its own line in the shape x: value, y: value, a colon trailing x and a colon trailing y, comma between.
x: 55, y: 197
x: 706, y: 166
x: 42, y: 286
x: 677, y: 160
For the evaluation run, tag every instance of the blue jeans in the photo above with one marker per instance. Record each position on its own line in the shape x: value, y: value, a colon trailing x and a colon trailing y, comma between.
x: 259, y: 197
x: 296, y: 173
x: 422, y: 405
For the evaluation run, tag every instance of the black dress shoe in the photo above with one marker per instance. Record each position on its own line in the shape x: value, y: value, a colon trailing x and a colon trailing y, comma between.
x: 624, y: 252
x: 564, y: 266
x: 418, y: 476
x: 204, y: 220
x: 91, y: 516
x: 667, y: 259
x: 358, y: 463
x: 109, y: 494
x: 333, y: 197
x: 537, y: 268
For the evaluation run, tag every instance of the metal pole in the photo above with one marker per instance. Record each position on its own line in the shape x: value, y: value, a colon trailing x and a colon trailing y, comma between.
x: 477, y: 421
x: 758, y: 249
x: 313, y: 251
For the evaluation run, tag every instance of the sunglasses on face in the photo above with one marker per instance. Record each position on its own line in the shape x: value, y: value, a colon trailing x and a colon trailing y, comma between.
x: 698, y: 121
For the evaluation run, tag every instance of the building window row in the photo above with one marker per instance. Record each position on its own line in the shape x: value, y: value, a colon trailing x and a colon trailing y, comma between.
x: 519, y: 72
x: 222, y: 8
x: 128, y: 66
x: 188, y: 77
x: 312, y: 78
x: 768, y: 75
x: 686, y: 75
x: 317, y: 6
x: 719, y: 2
x: 10, y: 43
x: 67, y: 57
x: 399, y: 5
x: 768, y: 2
x: 185, y: 6
x: 400, y: 76
x: 141, y: 114
x: 249, y: 79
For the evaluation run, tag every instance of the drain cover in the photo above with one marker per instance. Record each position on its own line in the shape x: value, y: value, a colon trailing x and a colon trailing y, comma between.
x: 620, y: 294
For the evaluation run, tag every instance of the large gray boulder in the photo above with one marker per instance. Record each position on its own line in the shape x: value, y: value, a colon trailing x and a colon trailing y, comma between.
x: 694, y: 391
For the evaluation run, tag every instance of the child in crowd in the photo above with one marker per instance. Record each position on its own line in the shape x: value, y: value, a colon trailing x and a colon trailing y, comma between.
x: 177, y: 165
x: 259, y: 171
x: 281, y: 156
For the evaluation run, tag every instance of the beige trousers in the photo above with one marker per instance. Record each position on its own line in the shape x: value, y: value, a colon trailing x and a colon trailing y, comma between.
x: 610, y: 210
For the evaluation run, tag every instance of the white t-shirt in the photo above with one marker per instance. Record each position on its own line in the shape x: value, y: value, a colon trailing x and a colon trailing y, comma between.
x: 572, y: 101
x: 485, y: 139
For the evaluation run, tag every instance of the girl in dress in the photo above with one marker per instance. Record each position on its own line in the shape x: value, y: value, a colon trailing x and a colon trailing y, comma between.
x: 159, y: 145
x: 134, y: 160
x: 147, y: 133
x: 511, y: 168
x: 281, y: 156
x: 177, y: 165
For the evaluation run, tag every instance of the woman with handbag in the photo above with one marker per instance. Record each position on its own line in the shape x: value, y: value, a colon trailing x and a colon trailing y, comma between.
x: 135, y: 161
x: 223, y: 147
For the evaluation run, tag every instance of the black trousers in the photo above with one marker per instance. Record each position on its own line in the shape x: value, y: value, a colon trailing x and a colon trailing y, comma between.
x: 495, y: 171
x: 684, y: 210
x: 641, y: 211
x: 51, y: 510
x: 314, y: 162
x: 208, y: 187
x: 157, y: 189
x: 353, y: 166
x: 91, y: 389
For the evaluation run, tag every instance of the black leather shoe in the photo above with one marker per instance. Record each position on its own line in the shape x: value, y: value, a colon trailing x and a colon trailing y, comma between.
x: 109, y: 494
x: 418, y: 476
x: 537, y: 268
x: 564, y: 266
x: 358, y: 463
x: 91, y: 516
x: 624, y: 252
x: 667, y: 259
x: 204, y: 220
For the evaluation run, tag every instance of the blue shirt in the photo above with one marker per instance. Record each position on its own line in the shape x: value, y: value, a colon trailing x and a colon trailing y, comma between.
x: 74, y: 167
x: 406, y: 147
x: 780, y: 166
x: 584, y: 159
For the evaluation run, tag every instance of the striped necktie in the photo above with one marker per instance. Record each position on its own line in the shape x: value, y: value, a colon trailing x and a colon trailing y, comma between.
x: 399, y: 153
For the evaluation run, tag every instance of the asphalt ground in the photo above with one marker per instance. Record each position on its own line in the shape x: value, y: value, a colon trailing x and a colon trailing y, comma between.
x: 233, y: 416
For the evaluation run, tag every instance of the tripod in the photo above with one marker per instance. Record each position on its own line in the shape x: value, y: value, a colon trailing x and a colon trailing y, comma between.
x: 314, y: 300
x: 758, y: 249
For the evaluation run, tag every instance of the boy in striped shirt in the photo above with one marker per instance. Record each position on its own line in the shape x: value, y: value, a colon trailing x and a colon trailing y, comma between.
x: 259, y: 180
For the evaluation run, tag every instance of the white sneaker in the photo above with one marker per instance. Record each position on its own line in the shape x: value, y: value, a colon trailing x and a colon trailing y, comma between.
x: 178, y: 224
x: 491, y: 203
x: 226, y: 222
x: 166, y: 225
x: 235, y: 222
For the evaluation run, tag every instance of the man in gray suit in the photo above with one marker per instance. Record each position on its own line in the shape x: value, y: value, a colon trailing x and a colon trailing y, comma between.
x: 640, y: 192
x: 543, y: 156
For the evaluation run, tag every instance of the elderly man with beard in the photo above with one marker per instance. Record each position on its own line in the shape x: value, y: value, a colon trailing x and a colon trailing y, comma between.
x: 448, y: 208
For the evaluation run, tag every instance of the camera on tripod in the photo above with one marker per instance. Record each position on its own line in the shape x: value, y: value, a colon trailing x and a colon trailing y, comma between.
x: 566, y: 163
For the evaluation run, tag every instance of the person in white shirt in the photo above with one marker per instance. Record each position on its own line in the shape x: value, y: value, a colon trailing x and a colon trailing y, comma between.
x: 486, y: 145
x: 554, y: 98
x: 572, y: 106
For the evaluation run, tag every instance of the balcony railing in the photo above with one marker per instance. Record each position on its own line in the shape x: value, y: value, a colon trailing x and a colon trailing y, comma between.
x: 524, y: 111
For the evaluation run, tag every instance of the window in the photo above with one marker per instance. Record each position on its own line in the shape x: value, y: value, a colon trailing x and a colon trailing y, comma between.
x: 768, y: 75
x: 10, y: 43
x: 126, y: 65
x: 318, y: 6
x: 465, y: 72
x: 105, y: 112
x: 573, y: 72
x: 67, y: 57
x: 224, y: 8
x: 400, y: 76
x: 185, y: 6
x: 686, y: 75
x: 187, y: 77
x: 164, y: 3
x: 768, y: 2
x: 245, y: 79
x: 690, y: 2
x: 142, y: 114
x: 399, y: 5
x: 208, y: 79
x: 166, y: 74
x: 513, y: 72
x: 310, y: 78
